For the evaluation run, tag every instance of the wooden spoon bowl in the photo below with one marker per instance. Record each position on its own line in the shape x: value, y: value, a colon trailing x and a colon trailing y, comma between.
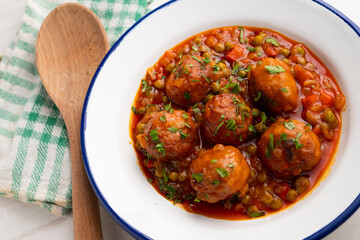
x: 70, y: 45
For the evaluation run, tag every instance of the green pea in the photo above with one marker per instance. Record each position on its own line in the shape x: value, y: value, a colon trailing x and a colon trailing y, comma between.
x: 302, y: 184
x: 285, y: 60
x: 246, y: 200
x: 219, y: 47
x: 329, y: 117
x: 276, y: 204
x: 173, y: 176
x: 159, y: 84
x: 241, y: 73
x: 266, y: 198
x: 291, y: 195
x: 285, y: 52
x: 170, y: 67
x: 263, y: 34
x: 260, y: 127
x: 197, y: 41
x: 165, y: 99
x: 301, y: 61
x: 258, y: 40
x: 206, y: 55
x: 208, y: 98
x: 251, y: 149
x: 182, y: 176
x: 228, y: 46
x: 215, y: 86
x: 300, y: 51
x: 255, y: 112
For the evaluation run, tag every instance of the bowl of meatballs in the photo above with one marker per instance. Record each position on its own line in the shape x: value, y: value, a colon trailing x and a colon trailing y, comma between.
x: 230, y: 125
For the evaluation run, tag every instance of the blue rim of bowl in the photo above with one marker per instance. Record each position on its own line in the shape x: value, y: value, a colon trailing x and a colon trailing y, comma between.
x: 136, y: 233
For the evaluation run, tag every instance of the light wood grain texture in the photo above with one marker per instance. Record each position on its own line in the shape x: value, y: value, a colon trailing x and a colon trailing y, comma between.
x: 71, y: 43
x: 23, y: 221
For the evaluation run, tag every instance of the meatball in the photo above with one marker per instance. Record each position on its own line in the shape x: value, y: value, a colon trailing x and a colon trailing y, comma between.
x: 273, y: 87
x: 168, y: 135
x: 288, y: 148
x: 226, y: 119
x: 188, y: 83
x: 218, y: 173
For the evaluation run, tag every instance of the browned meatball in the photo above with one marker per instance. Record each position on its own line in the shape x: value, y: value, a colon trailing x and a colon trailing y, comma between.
x: 272, y: 86
x: 188, y: 83
x: 218, y: 173
x: 226, y: 119
x: 289, y: 148
x: 168, y: 136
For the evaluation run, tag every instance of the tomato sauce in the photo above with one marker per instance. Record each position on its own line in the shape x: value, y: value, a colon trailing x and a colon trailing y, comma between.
x: 320, y: 105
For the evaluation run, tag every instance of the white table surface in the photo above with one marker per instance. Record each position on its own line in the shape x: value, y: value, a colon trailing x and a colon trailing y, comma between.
x: 25, y: 221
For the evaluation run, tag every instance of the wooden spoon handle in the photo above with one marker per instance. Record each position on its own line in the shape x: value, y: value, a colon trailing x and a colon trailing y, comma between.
x: 87, y: 224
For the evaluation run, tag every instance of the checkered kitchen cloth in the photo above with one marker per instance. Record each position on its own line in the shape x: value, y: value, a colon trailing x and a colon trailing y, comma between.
x: 34, y: 148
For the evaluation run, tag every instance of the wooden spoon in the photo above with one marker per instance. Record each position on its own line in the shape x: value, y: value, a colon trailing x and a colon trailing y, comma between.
x: 70, y: 46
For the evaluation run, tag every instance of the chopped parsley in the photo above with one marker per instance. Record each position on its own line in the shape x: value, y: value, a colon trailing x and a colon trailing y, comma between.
x: 222, y: 172
x: 263, y: 117
x: 216, y: 68
x: 284, y: 90
x: 274, y: 69
x: 251, y: 129
x: 241, y: 34
x: 251, y: 49
x: 256, y: 214
x: 296, y: 141
x: 272, y: 41
x: 160, y: 148
x: 222, y: 117
x: 205, y: 77
x: 145, y: 86
x: 283, y: 137
x: 230, y: 165
x: 185, y: 116
x: 213, y: 161
x: 166, y: 177
x: 289, y: 125
x: 215, y: 182
x: 168, y: 108
x: 270, y: 146
x: 195, y: 48
x: 235, y: 69
x: 186, y: 124
x: 182, y: 135
x: 141, y: 111
x: 198, y: 177
x: 163, y: 118
x: 154, y: 135
x: 187, y: 96
x: 258, y: 96
x: 150, y: 180
x: 218, y: 127
x: 231, y: 124
x: 172, y: 129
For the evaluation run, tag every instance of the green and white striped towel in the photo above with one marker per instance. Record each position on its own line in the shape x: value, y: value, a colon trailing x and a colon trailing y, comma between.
x: 34, y: 150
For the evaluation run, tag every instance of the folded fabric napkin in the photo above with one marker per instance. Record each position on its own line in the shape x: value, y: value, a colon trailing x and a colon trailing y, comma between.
x: 34, y: 149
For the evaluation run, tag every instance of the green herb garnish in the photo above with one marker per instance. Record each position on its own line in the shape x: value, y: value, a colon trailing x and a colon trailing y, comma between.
x: 198, y: 177
x: 274, y: 69
x: 222, y: 172
x: 172, y: 129
x: 187, y: 96
x: 256, y: 214
x: 272, y: 41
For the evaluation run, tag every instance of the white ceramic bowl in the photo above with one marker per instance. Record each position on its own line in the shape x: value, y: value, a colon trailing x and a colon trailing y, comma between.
x: 110, y: 159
